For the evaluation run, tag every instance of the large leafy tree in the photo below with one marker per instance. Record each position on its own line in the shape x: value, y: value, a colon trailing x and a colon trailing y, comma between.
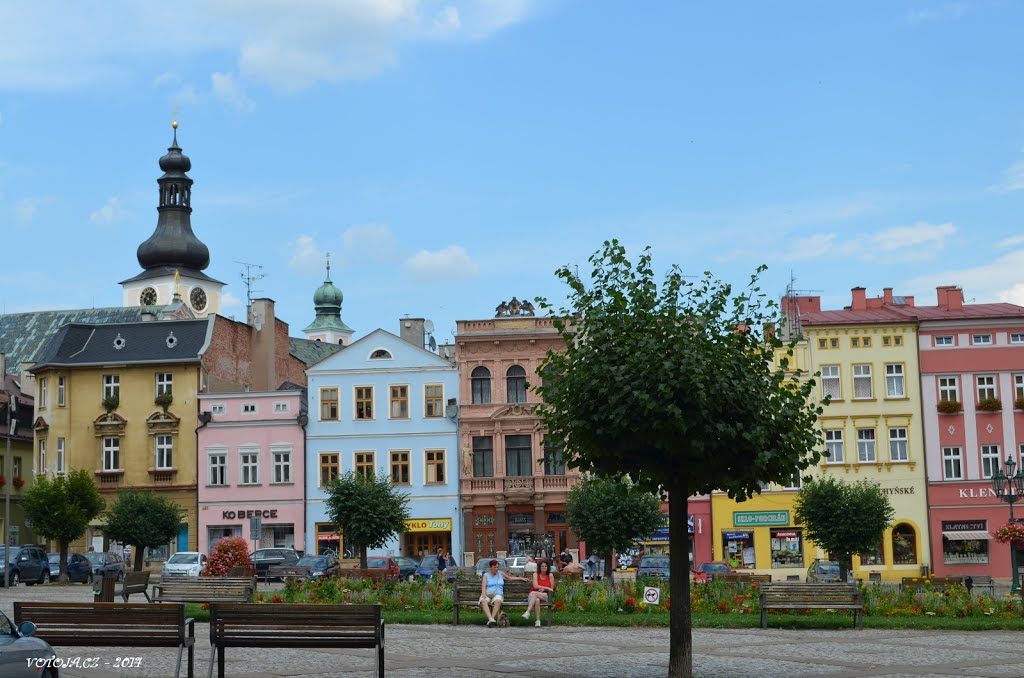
x: 610, y: 513
x: 677, y: 386
x: 367, y: 510
x: 843, y: 518
x: 61, y: 509
x: 143, y: 519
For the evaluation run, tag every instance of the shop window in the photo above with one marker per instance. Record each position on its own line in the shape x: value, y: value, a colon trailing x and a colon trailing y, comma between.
x: 904, y: 545
x: 964, y: 551
x: 787, y: 548
x: 738, y: 549
x: 328, y: 542
x: 874, y: 556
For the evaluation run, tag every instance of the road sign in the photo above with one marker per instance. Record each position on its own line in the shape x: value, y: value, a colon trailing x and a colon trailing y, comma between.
x: 652, y: 595
x: 255, y: 527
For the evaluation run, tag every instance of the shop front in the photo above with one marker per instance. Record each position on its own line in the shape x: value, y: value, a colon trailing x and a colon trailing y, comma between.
x: 766, y: 541
x: 963, y: 517
x: 277, y: 525
x: 423, y: 536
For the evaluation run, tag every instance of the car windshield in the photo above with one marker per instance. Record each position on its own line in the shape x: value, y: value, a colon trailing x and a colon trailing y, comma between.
x: 828, y: 568
x: 183, y: 559
x: 376, y: 562
x: 54, y: 558
x: 428, y: 564
x: 94, y: 558
x: 313, y: 561
x: 267, y: 555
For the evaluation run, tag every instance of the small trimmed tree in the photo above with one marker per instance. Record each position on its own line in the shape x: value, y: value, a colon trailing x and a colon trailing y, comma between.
x: 843, y: 518
x: 227, y: 553
x: 143, y: 519
x: 367, y: 510
x: 610, y: 513
x: 61, y: 509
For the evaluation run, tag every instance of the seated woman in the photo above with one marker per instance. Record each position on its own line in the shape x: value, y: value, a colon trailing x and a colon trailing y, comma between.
x: 543, y: 589
x: 492, y: 591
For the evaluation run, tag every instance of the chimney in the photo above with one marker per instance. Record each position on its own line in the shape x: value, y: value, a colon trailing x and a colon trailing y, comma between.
x: 28, y: 380
x: 793, y: 306
x: 859, y: 299
x: 263, y: 344
x: 887, y: 296
x: 3, y: 368
x: 955, y: 299
x: 411, y: 330
x: 940, y: 296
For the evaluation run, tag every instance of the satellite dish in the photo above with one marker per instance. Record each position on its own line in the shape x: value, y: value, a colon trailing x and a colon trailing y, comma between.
x: 428, y: 326
x: 433, y: 345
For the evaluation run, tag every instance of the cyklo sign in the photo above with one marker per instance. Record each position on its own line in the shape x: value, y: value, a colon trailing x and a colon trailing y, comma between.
x: 429, y: 525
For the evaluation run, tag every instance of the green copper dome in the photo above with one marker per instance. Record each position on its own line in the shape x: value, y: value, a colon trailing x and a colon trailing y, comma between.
x: 328, y: 295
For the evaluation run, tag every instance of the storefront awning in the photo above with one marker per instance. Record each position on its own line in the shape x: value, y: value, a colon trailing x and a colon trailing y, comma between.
x: 965, y: 535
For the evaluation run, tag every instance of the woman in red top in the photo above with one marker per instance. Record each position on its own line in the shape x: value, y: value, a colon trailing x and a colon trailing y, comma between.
x: 543, y: 589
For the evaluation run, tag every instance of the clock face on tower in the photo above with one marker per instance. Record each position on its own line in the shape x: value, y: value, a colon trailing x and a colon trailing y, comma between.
x: 197, y: 297
x: 148, y: 297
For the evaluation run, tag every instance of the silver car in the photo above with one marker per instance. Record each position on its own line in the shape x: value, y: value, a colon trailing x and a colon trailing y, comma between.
x: 517, y: 565
x: 22, y: 655
x: 184, y: 564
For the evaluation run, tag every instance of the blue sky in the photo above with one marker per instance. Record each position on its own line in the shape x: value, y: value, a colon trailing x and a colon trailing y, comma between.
x: 453, y: 154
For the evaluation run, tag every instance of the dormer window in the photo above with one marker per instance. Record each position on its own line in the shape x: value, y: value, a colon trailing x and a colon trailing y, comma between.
x: 380, y: 354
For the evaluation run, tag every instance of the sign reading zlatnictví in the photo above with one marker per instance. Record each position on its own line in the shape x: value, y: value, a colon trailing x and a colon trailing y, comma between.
x: 755, y: 518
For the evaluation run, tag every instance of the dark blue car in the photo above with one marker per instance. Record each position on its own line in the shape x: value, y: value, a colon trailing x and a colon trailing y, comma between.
x: 79, y: 569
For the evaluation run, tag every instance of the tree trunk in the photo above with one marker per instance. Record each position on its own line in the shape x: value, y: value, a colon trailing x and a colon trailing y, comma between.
x: 609, y: 569
x: 680, y: 658
x: 139, y: 554
x: 63, y: 562
x: 362, y: 557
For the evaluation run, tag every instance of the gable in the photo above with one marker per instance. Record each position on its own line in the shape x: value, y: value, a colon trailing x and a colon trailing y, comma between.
x: 403, y: 356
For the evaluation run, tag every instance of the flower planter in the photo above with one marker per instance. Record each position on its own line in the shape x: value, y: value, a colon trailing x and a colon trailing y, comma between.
x: 949, y: 407
x: 990, y: 405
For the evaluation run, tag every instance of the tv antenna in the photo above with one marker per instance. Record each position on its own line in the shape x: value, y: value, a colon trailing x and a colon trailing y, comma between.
x: 250, y: 274
x: 791, y: 314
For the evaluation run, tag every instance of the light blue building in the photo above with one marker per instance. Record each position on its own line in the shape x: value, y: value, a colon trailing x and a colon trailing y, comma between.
x: 381, y: 405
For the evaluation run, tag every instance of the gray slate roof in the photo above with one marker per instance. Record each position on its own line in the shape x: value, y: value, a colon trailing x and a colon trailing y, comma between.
x: 168, y: 341
x: 24, y: 335
x: 310, y: 352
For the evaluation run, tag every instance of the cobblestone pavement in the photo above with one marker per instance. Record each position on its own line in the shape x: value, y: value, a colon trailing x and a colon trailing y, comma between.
x: 562, y: 652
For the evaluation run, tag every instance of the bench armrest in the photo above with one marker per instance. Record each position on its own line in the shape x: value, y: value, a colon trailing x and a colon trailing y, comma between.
x: 382, y: 633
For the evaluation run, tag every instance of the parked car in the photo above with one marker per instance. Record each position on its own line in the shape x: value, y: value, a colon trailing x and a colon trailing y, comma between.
x: 427, y: 568
x: 823, y: 571
x: 407, y: 566
x: 653, y: 566
x: 517, y: 565
x: 26, y: 563
x: 484, y: 563
x: 384, y: 562
x: 184, y: 564
x: 705, y: 572
x: 79, y: 569
x: 264, y: 559
x: 319, y: 566
x: 106, y: 564
x: 18, y: 646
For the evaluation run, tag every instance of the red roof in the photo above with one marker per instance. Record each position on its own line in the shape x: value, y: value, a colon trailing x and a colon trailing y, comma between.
x: 906, y: 313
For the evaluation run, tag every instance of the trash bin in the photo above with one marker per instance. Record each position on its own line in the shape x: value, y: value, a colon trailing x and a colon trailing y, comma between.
x: 103, y: 587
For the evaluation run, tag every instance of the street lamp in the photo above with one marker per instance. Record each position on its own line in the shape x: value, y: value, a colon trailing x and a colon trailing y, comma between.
x: 1009, y: 487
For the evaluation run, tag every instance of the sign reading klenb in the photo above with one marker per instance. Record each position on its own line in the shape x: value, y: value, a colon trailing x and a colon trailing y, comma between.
x: 755, y: 518
x: 429, y: 525
x: 652, y: 595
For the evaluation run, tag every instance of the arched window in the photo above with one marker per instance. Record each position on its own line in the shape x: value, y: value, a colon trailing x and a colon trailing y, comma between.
x: 904, y: 545
x: 380, y: 354
x: 480, y: 378
x: 515, y: 380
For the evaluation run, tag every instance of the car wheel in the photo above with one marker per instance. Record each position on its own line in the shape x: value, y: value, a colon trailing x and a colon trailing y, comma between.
x: 44, y: 577
x: 14, y: 579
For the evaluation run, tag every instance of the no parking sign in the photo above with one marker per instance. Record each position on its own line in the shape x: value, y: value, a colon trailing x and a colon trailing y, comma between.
x: 652, y: 595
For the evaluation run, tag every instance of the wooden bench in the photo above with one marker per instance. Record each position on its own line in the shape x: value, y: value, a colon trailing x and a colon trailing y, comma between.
x: 241, y: 571
x: 982, y: 581
x: 742, y: 578
x: 205, y: 590
x: 112, y: 625
x: 134, y: 582
x: 799, y: 596
x: 467, y: 593
x: 373, y: 573
x: 283, y: 572
x: 295, y: 626
x: 936, y: 583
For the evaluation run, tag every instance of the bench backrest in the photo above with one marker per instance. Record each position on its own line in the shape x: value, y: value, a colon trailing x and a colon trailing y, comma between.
x: 241, y: 571
x: 203, y: 589
x: 982, y: 579
x: 817, y: 593
x: 741, y: 578
x: 286, y: 625
x: 366, y: 572
x: 136, y: 579
x: 467, y: 590
x: 108, y: 624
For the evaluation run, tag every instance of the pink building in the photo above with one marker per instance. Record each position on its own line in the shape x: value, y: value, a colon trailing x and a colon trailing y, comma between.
x: 251, y: 449
x: 972, y: 390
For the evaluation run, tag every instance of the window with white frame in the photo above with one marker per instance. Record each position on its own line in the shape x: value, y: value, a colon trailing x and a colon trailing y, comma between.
x: 1018, y: 386
x: 164, y: 383
x: 989, y: 460
x: 834, y: 445
x: 944, y: 340
x: 248, y: 408
x: 248, y: 466
x: 164, y: 451
x: 894, y: 384
x: 952, y: 463
x: 794, y: 481
x: 217, y: 466
x: 62, y: 388
x: 282, y: 457
x: 60, y: 455
x: 898, y: 444
x: 949, y: 389
x: 111, y: 386
x: 43, y: 393
x: 111, y: 454
x: 831, y: 384
x: 42, y: 455
x: 862, y: 381
x: 218, y: 409
x: 866, y: 446
x: 986, y: 387
x: 981, y: 339
x: 281, y: 407
x: 1017, y: 337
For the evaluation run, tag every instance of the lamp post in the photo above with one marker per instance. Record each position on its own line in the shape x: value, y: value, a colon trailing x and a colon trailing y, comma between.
x: 1009, y: 487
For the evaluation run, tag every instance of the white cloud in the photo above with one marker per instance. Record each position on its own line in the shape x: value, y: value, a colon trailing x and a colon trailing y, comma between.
x: 951, y: 11
x: 1013, y: 179
x: 999, y: 280
x: 229, y: 300
x: 447, y: 20
x: 109, y: 213
x: 25, y: 210
x: 376, y: 241
x: 1012, y: 241
x: 446, y: 264
x: 227, y: 88
x: 306, y: 256
x: 920, y: 235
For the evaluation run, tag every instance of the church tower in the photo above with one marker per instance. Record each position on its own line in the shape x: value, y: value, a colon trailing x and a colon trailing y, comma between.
x: 328, y: 326
x: 173, y: 258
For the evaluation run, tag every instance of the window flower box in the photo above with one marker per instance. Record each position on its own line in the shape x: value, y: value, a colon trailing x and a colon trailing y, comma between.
x: 990, y: 405
x: 164, y: 400
x: 110, y: 403
x: 1019, y: 403
x: 18, y: 482
x: 949, y: 407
